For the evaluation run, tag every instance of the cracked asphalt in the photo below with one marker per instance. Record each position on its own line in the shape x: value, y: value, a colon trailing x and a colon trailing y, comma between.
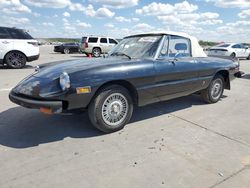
x: 178, y: 143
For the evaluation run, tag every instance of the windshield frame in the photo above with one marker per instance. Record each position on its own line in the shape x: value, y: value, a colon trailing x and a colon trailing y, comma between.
x: 161, y: 37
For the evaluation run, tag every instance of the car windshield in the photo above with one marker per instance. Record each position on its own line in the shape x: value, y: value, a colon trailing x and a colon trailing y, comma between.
x: 137, y: 46
x: 224, y: 45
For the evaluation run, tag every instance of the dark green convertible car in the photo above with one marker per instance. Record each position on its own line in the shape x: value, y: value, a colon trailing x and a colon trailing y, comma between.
x: 142, y: 69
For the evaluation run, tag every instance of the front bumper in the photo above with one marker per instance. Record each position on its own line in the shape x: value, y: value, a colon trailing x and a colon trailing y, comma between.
x: 54, y: 106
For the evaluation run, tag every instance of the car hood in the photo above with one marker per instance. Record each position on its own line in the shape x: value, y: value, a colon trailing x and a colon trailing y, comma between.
x: 55, y: 69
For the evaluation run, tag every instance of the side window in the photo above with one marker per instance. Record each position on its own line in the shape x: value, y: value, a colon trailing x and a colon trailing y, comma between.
x: 103, y: 40
x: 93, y: 39
x: 4, y: 34
x: 236, y: 46
x: 19, y: 34
x: 179, y: 47
x: 112, y: 41
x: 176, y: 46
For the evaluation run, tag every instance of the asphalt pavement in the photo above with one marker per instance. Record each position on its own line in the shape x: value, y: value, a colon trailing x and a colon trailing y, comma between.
x: 179, y: 143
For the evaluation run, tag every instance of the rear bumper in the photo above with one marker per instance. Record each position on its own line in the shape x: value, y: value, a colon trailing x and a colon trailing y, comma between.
x: 54, y: 106
x: 33, y: 58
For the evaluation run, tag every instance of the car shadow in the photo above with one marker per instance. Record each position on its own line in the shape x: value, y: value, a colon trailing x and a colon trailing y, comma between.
x: 5, y: 67
x: 23, y: 128
x: 246, y: 76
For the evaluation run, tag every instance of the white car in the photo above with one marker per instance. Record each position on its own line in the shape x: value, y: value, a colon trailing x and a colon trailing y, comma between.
x: 230, y: 50
x: 17, y: 47
x: 97, y: 45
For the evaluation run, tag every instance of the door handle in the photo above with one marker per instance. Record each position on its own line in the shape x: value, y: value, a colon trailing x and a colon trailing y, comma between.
x: 5, y: 42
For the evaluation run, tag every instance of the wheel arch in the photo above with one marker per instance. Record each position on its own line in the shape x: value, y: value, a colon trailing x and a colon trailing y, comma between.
x: 97, y: 47
x: 14, y: 51
x: 225, y: 75
x: 124, y: 83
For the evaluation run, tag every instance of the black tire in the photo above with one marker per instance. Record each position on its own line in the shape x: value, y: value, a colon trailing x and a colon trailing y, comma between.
x: 214, y: 91
x: 248, y: 58
x: 100, y: 105
x: 15, y: 60
x: 96, y: 52
x: 233, y: 55
x: 66, y: 51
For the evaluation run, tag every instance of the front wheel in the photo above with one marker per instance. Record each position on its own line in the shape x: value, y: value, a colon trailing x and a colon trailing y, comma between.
x: 215, y: 90
x: 96, y: 52
x: 248, y: 58
x: 66, y: 51
x: 111, y: 109
x: 15, y: 60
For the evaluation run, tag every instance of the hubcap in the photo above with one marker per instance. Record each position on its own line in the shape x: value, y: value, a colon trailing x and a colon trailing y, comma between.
x: 216, y: 89
x: 114, y: 109
x: 16, y: 59
x: 96, y: 52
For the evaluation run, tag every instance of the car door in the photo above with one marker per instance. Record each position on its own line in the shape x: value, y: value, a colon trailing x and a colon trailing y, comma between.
x: 6, y: 42
x: 238, y: 50
x: 104, y: 45
x: 244, y: 51
x: 176, y: 70
x: 112, y: 43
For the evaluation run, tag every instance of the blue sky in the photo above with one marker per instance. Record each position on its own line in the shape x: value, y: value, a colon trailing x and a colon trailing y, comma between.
x: 213, y: 20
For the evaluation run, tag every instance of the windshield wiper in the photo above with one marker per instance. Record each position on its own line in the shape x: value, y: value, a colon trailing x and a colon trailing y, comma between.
x: 120, y: 54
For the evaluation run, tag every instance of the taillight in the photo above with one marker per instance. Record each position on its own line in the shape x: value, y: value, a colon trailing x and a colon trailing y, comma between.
x: 33, y: 43
x: 86, y: 45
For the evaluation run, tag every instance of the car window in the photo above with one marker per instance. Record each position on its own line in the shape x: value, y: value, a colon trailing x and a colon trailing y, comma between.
x: 224, y: 45
x: 138, y: 46
x: 103, y: 40
x: 93, y: 39
x: 4, y: 34
x: 84, y: 39
x: 236, y: 46
x: 176, y: 46
x: 242, y: 46
x: 19, y: 34
x: 112, y: 41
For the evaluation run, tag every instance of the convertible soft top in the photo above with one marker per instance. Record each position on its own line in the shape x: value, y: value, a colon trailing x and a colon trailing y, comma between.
x: 197, y: 50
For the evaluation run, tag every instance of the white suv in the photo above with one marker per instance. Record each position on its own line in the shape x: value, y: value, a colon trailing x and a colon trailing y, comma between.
x: 97, y: 45
x: 17, y: 47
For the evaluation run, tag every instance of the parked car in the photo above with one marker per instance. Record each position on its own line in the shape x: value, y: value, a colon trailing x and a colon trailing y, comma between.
x: 17, y: 47
x: 140, y: 70
x: 231, y: 50
x: 97, y: 45
x: 67, y: 48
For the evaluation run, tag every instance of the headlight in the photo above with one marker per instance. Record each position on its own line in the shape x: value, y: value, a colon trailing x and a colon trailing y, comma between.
x: 64, y: 81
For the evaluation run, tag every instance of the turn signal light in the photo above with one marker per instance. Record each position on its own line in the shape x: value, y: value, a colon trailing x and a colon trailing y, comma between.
x: 81, y: 90
x: 46, y: 111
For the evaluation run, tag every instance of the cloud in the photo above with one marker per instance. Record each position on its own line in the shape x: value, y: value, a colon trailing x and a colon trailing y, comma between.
x: 122, y: 19
x: 66, y: 14
x: 109, y: 25
x: 166, y: 9
x: 76, y: 7
x: 83, y: 24
x: 116, y: 4
x: 47, y: 24
x: 143, y: 27
x: 49, y: 3
x: 13, y: 7
x: 244, y: 14
x: 102, y: 13
x: 231, y: 3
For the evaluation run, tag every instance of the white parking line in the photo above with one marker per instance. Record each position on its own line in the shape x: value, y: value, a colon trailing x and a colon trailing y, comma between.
x: 5, y: 89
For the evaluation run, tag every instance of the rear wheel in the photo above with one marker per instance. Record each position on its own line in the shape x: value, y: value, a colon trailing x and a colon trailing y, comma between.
x: 248, y: 58
x: 96, y: 52
x: 112, y: 109
x: 233, y: 55
x: 214, y: 91
x: 66, y: 51
x: 15, y: 60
